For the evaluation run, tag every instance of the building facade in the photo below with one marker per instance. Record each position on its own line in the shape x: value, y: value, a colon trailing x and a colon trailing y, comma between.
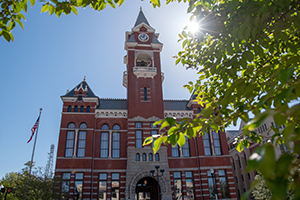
x: 100, y: 153
x: 242, y: 178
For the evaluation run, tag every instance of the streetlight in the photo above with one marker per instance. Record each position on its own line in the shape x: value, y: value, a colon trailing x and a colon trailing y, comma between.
x: 157, y: 177
x: 212, y: 172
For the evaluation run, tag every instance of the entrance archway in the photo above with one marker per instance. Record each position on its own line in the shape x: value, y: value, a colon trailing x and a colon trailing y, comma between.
x: 147, y: 189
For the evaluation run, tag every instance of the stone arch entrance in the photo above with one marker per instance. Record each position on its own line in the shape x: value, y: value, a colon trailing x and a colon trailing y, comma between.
x: 147, y: 189
x: 136, y: 186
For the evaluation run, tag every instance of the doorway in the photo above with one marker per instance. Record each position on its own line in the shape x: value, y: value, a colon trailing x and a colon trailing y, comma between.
x: 147, y: 189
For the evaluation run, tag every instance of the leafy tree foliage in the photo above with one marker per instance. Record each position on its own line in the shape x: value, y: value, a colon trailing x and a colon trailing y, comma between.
x: 247, y: 54
x: 39, y: 186
x: 11, y: 11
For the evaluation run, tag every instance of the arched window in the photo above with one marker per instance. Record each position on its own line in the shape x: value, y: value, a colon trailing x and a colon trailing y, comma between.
x: 70, y: 140
x: 116, y: 142
x: 150, y: 157
x: 116, y: 127
x: 233, y: 163
x: 71, y: 125
x: 81, y: 140
x: 80, y: 98
x: 186, y: 148
x: 83, y: 126
x: 104, y: 142
x: 206, y: 145
x: 156, y: 157
x: 137, y: 157
x: 217, y: 143
x: 75, y: 109
x: 104, y: 127
x: 144, y: 60
x: 88, y: 109
x: 239, y: 161
x: 81, y: 109
x: 144, y: 157
x: 69, y: 108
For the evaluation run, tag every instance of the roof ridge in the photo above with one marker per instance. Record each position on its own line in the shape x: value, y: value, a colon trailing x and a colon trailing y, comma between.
x: 175, y: 100
x: 112, y: 99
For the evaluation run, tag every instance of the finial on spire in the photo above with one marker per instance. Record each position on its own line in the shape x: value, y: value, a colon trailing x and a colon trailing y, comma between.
x: 68, y: 91
x: 84, y: 78
x: 141, y: 9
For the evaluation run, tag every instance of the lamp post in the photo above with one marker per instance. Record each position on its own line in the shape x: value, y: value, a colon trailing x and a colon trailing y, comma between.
x: 157, y: 177
x: 212, y: 172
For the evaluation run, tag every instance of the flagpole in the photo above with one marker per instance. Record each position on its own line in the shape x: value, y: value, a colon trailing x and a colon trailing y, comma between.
x: 31, y: 162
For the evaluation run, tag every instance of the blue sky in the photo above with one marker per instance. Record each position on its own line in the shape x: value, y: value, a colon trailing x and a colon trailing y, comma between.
x: 53, y: 54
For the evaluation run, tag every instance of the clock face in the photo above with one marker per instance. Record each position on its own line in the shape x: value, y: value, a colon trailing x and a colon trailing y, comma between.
x: 143, y: 37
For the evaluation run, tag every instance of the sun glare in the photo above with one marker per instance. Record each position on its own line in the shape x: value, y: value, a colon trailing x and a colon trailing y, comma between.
x: 193, y: 27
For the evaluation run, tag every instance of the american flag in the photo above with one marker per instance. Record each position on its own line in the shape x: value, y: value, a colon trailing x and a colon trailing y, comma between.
x: 33, y: 128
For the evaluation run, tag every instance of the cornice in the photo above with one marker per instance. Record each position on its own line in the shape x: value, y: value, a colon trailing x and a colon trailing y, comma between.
x: 100, y: 113
x: 178, y: 113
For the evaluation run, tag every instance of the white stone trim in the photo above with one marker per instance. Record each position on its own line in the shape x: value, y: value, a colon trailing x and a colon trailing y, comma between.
x: 100, y: 113
x: 178, y: 113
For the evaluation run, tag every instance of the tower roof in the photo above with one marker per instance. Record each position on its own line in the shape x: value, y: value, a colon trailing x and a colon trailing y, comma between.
x: 141, y: 18
x: 82, y: 85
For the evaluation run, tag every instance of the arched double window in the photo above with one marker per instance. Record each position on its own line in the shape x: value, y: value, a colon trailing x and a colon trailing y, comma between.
x: 81, y: 140
x: 69, y: 108
x: 81, y: 109
x: 76, y: 109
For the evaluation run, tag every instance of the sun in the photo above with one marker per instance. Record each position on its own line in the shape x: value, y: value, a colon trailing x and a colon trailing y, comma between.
x: 193, y: 27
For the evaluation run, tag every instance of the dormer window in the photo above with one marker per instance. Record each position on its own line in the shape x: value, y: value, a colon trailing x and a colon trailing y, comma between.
x: 80, y: 97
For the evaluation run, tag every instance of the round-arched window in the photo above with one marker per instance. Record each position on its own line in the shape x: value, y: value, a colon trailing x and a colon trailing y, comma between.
x: 83, y: 126
x: 144, y: 157
x: 104, y: 127
x: 71, y: 125
x: 137, y: 157
x: 150, y: 157
x: 116, y: 127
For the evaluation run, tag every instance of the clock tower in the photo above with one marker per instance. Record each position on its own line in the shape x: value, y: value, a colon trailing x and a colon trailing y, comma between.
x: 143, y: 78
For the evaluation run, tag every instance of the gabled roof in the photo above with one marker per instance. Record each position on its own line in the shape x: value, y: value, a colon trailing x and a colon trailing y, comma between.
x: 84, y: 86
x: 140, y: 19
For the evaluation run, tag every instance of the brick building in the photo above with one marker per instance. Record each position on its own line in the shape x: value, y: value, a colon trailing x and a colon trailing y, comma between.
x: 243, y: 179
x: 100, y: 153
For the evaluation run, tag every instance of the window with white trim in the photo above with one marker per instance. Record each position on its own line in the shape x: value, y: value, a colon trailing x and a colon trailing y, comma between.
x: 206, y: 144
x: 116, y: 142
x: 70, y: 140
x: 81, y: 140
x: 104, y: 141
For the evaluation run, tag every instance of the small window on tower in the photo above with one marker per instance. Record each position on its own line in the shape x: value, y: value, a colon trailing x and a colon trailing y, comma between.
x: 145, y: 93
